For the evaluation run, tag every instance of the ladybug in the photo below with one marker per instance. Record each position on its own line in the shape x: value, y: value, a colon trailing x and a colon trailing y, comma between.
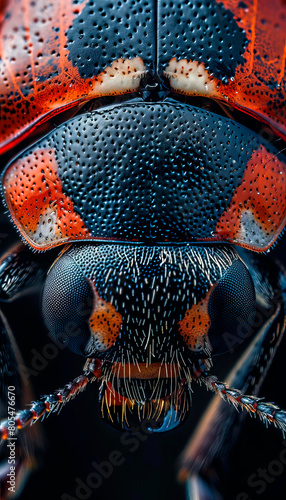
x: 147, y: 179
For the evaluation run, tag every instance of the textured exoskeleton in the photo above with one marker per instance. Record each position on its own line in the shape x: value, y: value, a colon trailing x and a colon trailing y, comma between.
x: 144, y: 169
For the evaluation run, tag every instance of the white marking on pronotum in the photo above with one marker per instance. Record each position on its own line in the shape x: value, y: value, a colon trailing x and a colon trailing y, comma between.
x: 47, y: 228
x: 251, y: 232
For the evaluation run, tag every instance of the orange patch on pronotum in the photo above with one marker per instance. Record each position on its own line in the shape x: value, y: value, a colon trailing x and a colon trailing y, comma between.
x: 258, y: 206
x: 44, y: 215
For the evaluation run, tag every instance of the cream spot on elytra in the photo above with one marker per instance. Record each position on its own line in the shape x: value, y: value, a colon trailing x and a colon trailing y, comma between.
x: 122, y: 76
x: 190, y: 77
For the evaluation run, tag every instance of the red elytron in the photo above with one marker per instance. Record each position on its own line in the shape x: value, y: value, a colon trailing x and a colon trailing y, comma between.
x: 38, y: 78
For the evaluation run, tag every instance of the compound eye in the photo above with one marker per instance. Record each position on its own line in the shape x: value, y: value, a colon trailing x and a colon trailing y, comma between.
x: 67, y: 305
x: 231, y: 309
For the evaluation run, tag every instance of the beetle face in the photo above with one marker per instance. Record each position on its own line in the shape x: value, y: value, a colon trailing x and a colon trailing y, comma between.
x: 150, y: 314
x: 154, y: 190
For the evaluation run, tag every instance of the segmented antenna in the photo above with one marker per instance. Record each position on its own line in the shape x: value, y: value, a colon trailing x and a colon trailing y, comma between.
x: 269, y: 413
x: 53, y: 402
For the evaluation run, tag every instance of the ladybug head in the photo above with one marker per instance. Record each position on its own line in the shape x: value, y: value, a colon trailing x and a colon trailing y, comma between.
x: 152, y: 315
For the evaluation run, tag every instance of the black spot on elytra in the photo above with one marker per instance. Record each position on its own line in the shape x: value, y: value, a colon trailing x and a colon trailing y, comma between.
x: 201, y: 30
x: 204, y: 31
